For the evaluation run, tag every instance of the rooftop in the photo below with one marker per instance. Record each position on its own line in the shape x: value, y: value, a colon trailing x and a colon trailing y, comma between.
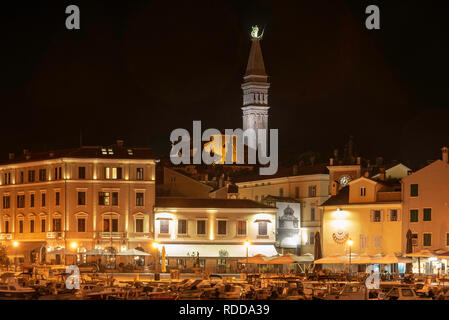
x: 174, y: 202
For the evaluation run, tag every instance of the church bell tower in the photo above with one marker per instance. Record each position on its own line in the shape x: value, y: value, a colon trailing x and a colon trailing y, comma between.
x: 255, y: 90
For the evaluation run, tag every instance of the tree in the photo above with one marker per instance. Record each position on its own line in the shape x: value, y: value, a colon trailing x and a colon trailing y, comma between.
x: 3, y: 255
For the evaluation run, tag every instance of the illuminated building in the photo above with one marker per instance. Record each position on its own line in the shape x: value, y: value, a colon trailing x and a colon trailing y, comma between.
x: 216, y: 229
x: 97, y: 197
x: 426, y: 210
x: 367, y: 211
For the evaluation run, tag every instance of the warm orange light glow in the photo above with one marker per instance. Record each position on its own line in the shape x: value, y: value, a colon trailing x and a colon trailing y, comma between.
x: 155, y: 245
x: 15, y: 244
x: 74, y: 245
x: 247, y: 243
x: 349, y: 242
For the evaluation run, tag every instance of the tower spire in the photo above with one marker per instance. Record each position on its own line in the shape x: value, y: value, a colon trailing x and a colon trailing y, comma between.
x: 255, y: 89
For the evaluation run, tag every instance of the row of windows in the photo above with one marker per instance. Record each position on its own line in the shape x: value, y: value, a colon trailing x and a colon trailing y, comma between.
x: 109, y: 173
x: 222, y: 227
x: 378, y: 215
x: 109, y: 225
x: 426, y: 216
x: 104, y: 199
x: 312, y: 192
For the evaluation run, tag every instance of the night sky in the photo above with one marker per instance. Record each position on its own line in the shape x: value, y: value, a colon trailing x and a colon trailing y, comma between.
x: 137, y: 70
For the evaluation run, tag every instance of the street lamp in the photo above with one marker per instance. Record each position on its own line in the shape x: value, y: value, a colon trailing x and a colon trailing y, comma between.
x: 74, y: 246
x: 156, y: 245
x: 15, y: 244
x: 247, y: 244
x: 349, y: 242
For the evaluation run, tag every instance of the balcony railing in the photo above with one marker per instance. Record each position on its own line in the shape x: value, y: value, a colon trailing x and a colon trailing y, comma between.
x: 113, y: 235
x: 55, y: 235
x: 5, y: 236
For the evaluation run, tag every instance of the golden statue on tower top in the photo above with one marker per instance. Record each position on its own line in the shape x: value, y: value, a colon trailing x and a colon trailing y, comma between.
x: 255, y: 32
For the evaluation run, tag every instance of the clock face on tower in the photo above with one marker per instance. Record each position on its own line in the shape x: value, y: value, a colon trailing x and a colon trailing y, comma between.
x: 344, y: 180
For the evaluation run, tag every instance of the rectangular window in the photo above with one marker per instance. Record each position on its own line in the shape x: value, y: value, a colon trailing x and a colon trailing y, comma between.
x: 312, y: 214
x: 394, y: 215
x: 263, y: 228
x: 164, y: 226
x: 81, y: 172
x: 312, y: 191
x: 377, y: 216
x: 43, y: 202
x: 57, y: 225
x: 42, y: 174
x: 201, y: 227
x: 60, y: 173
x: 21, y: 226
x: 414, y: 215
x: 6, y: 202
x: 363, y: 192
x: 106, y: 226
x: 427, y: 214
x: 7, y: 226
x: 241, y: 228
x: 56, y: 173
x: 103, y: 198
x: 413, y: 190
x: 139, y: 199
x: 427, y: 239
x: 139, y: 174
x: 377, y: 242
x: 447, y: 239
x: 107, y: 173
x: 43, y: 225
x: 81, y: 198
x: 281, y: 192
x: 139, y: 225
x: 363, y: 242
x: 182, y: 226
x: 81, y: 225
x: 57, y: 198
x: 297, y: 192
x: 119, y: 173
x: 222, y: 227
x: 21, y: 177
x: 21, y: 201
x: 31, y: 175
x: 312, y: 238
x: 114, y: 223
x: 31, y: 226
x: 115, y: 198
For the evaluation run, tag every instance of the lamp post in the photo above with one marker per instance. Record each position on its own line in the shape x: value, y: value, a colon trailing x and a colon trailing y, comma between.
x: 156, y: 267
x: 349, y: 242
x: 247, y: 244
x: 15, y: 244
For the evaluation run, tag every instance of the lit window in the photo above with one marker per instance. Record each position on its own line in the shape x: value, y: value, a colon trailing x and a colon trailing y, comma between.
x: 103, y: 151
x: 130, y: 152
x: 110, y: 151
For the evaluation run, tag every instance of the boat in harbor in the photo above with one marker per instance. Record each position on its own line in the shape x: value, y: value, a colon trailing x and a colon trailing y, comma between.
x: 11, y: 289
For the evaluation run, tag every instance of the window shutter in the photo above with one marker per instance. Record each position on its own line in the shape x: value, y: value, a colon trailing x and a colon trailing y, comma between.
x: 389, y: 215
x: 399, y: 214
x: 371, y: 217
x: 382, y: 215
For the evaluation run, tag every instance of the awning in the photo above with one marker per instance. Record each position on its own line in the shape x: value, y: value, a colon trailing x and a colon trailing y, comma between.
x: 262, y: 220
x: 133, y: 252
x: 164, y: 219
x: 213, y: 250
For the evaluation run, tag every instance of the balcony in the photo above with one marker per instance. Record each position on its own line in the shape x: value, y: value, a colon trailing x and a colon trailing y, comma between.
x: 5, y: 236
x: 55, y: 235
x: 112, y: 235
x: 140, y: 235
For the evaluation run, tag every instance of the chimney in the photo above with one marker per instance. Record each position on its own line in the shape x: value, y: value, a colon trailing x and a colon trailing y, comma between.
x: 331, y: 161
x: 295, y: 169
x: 120, y: 143
x: 11, y: 156
x: 358, y: 160
x: 444, y: 151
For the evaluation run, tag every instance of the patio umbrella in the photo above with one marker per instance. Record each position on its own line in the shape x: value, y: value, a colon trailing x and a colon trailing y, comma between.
x: 61, y: 251
x: 317, y: 249
x: 409, y: 248
x: 361, y: 259
x: 421, y: 254
x: 96, y: 252
x: 335, y: 259
x: 257, y: 259
x: 391, y: 259
x: 307, y: 257
x: 132, y: 252
x: 164, y: 267
x: 285, y: 259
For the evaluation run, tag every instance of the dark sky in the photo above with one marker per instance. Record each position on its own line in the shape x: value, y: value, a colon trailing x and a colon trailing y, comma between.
x: 137, y: 70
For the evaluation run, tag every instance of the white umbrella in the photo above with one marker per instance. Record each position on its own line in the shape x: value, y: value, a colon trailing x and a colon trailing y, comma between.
x: 133, y: 252
x: 330, y: 260
x: 96, y: 252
